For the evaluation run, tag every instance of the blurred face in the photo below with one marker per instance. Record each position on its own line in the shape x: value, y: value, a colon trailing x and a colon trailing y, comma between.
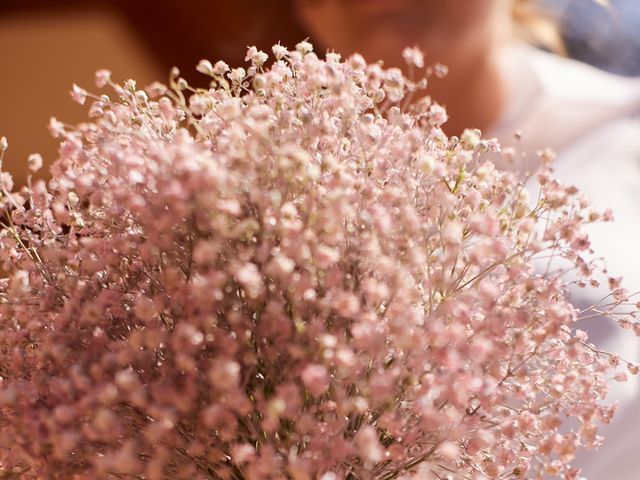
x: 448, y: 31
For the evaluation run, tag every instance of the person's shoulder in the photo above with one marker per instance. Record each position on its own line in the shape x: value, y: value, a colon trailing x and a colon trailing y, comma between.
x: 575, y: 81
x: 564, y: 104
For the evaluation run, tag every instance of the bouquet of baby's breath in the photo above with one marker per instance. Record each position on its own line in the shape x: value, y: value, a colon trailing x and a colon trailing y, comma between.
x: 293, y: 274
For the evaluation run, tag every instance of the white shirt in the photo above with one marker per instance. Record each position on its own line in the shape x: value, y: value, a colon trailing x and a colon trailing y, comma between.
x: 588, y: 117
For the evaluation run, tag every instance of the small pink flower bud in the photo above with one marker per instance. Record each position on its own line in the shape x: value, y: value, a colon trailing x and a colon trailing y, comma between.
x: 56, y: 128
x: 35, y: 162
x: 205, y: 67
x: 414, y: 57
x: 620, y: 377
x: 102, y: 78
x: 316, y: 379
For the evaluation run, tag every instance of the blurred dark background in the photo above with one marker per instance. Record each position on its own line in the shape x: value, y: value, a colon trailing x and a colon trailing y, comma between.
x: 46, y: 45
x: 608, y: 38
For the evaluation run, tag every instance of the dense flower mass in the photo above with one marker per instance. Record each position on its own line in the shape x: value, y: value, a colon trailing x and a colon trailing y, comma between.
x: 292, y: 274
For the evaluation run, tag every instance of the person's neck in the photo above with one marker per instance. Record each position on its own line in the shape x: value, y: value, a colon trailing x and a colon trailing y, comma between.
x: 474, y: 93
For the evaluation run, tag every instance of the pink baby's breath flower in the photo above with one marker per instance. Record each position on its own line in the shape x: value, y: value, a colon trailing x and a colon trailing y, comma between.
x: 279, y: 51
x: 449, y: 450
x: 130, y: 85
x: 237, y: 74
x: 242, y: 453
x: 6, y: 181
x: 304, y: 47
x: 438, y: 115
x: 280, y: 277
x: 357, y: 62
x: 369, y: 445
x: 452, y: 232
x: 608, y: 216
x: 156, y: 89
x: 145, y: 308
x: 256, y: 57
x: 326, y: 256
x: 220, y: 68
x: 19, y: 282
x: 205, y: 67
x: 620, y: 377
x: 249, y: 277
x: 224, y: 375
x: 281, y: 267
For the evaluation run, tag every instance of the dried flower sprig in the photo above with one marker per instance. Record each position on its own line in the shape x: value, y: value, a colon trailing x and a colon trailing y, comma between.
x: 290, y: 274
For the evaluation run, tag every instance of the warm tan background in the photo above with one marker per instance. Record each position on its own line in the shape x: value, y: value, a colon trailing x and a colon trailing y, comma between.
x: 46, y: 46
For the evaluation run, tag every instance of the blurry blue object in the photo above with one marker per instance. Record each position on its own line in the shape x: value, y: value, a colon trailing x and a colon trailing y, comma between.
x: 608, y: 38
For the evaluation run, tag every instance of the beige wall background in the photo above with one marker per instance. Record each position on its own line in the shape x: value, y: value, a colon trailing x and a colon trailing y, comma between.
x: 41, y: 55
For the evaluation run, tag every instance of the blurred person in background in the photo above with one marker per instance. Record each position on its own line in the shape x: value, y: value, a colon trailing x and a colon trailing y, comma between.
x: 501, y: 84
x: 49, y: 44
x: 46, y: 45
